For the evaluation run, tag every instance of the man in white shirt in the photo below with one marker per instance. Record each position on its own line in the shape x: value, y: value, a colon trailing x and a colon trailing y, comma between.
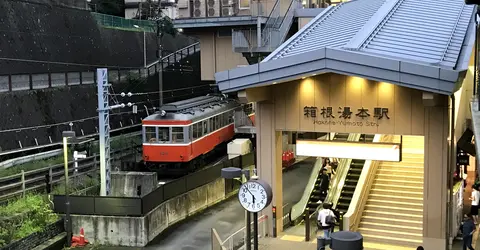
x: 323, y: 222
x: 475, y: 198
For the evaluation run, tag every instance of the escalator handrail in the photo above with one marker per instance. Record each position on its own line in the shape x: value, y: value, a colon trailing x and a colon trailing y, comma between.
x: 342, y: 171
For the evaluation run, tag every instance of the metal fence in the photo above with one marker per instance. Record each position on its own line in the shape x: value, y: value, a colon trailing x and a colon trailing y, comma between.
x: 122, y: 23
x: 238, y: 239
x: 18, y: 184
x: 140, y: 206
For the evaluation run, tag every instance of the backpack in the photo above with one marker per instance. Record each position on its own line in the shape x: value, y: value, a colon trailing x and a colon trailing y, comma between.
x: 330, y: 220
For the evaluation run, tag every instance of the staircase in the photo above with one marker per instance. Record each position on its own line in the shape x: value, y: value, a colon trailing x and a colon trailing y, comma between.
x: 393, y: 213
x: 351, y: 180
x: 316, y: 197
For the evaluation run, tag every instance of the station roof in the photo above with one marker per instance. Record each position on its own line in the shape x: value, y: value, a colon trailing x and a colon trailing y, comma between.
x: 423, y: 45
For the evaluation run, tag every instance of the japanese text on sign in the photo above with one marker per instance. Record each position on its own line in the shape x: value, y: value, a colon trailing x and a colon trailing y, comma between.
x: 344, y: 113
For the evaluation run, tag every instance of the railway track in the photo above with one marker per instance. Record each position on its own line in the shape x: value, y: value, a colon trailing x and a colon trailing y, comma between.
x: 31, y: 181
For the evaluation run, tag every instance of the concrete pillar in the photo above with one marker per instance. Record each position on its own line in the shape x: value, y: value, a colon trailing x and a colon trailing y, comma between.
x: 435, y: 173
x: 269, y: 158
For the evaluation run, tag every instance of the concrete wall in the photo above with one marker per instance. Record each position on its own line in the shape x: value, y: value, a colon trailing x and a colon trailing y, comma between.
x: 138, y: 231
x: 216, y: 54
x: 124, y: 184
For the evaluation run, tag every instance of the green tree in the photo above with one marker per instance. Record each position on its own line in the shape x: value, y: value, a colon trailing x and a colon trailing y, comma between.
x: 109, y: 7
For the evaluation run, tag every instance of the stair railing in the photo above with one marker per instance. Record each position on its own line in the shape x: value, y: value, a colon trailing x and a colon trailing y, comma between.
x: 342, y: 171
x: 351, y: 220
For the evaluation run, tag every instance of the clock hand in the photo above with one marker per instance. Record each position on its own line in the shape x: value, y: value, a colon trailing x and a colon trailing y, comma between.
x: 253, y: 197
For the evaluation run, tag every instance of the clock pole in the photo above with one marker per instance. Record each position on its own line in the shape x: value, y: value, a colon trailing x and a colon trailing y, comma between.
x: 255, y: 231
x: 249, y: 234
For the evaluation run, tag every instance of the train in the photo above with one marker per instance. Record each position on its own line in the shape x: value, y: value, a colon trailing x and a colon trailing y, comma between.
x: 184, y: 135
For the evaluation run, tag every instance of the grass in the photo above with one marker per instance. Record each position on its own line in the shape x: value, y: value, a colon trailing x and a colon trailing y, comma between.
x: 24, y: 216
x: 118, y: 142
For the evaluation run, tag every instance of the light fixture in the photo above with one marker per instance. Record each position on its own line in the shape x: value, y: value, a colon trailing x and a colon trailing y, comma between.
x: 303, y: 77
x: 314, y: 74
x: 274, y: 83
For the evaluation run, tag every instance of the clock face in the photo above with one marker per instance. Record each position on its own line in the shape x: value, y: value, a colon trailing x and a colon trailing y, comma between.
x: 253, y: 196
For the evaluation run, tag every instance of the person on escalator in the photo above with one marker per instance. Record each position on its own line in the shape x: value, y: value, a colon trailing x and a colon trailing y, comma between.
x: 324, y: 183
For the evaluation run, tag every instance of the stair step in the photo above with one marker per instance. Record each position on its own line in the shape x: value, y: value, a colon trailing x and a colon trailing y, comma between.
x: 402, y: 165
x: 391, y: 227
x: 392, y: 233
x: 408, y: 183
x: 402, y: 173
x: 399, y: 177
x: 398, y: 187
x: 396, y: 198
x: 391, y: 192
x: 408, y: 212
x: 387, y: 215
x: 392, y: 218
x: 407, y: 242
x: 397, y: 204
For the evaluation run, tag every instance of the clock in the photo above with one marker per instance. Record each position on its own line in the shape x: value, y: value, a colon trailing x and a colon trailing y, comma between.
x: 255, y: 195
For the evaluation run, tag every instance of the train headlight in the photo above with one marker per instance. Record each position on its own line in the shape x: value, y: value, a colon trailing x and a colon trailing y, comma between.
x: 163, y: 113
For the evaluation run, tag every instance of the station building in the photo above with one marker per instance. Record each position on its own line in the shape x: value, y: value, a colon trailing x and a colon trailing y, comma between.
x: 401, y: 70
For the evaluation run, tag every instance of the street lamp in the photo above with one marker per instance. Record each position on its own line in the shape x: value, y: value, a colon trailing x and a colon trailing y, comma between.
x: 144, y: 45
x: 234, y: 173
x: 68, y: 223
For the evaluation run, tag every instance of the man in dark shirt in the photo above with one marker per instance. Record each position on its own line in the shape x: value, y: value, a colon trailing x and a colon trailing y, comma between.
x: 324, y: 182
x: 468, y: 229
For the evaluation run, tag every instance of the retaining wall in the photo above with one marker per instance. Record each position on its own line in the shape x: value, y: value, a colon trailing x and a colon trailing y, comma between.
x: 138, y: 231
x: 124, y: 184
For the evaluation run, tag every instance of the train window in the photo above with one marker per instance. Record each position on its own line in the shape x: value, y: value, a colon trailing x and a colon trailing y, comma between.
x: 205, y: 127
x: 164, y: 134
x: 216, y: 122
x: 230, y: 118
x: 190, y: 131
x: 150, y: 134
x: 210, y: 125
x: 177, y: 134
x: 196, y: 131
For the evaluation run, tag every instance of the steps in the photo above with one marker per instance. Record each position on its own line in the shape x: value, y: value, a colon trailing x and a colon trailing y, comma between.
x: 393, y: 213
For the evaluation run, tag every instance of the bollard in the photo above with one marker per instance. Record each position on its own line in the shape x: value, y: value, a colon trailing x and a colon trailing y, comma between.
x: 346, y: 240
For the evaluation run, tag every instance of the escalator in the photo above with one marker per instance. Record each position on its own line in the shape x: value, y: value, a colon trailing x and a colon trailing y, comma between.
x: 316, y: 195
x: 351, y: 179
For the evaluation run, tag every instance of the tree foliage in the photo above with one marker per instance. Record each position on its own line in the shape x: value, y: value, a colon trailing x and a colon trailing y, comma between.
x: 152, y: 10
x: 109, y: 7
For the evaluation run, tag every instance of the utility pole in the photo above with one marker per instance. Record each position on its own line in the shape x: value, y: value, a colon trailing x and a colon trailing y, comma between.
x: 160, y: 61
x: 104, y: 128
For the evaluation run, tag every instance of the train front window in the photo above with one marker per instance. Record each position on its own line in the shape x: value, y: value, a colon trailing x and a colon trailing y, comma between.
x: 150, y: 134
x: 177, y: 134
x: 163, y: 134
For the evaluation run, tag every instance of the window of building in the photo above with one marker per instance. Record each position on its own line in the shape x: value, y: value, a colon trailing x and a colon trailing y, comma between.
x: 164, y: 134
x: 177, y: 134
x: 224, y: 33
x: 150, y: 134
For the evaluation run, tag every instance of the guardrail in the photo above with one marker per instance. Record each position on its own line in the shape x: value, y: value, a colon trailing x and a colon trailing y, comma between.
x: 238, y: 239
x: 18, y: 184
x: 140, y: 206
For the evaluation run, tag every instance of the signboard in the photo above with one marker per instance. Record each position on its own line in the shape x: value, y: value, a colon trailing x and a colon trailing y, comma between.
x: 343, y: 115
x: 349, y: 150
x: 463, y: 160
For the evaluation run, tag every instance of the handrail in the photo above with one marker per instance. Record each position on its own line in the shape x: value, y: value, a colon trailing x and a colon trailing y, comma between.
x: 299, y: 208
x: 342, y: 172
x: 351, y: 220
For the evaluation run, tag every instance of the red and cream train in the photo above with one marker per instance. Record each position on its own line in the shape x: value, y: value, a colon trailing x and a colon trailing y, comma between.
x: 182, y: 134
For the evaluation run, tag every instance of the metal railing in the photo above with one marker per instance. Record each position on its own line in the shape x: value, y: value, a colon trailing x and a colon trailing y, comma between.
x: 239, y: 239
x: 273, y: 33
x: 18, y: 184
x: 122, y: 23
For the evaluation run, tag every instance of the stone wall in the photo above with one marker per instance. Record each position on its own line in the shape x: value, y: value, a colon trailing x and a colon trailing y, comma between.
x: 138, y: 231
x: 36, y: 239
x: 124, y: 184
